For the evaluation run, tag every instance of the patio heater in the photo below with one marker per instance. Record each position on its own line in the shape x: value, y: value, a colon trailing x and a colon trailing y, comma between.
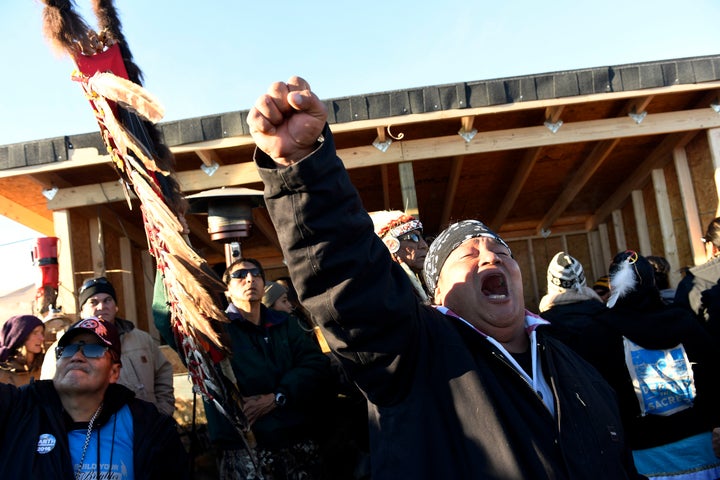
x: 229, y: 212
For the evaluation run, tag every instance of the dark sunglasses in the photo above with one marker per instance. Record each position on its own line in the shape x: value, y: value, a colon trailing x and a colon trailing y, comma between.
x: 90, y: 350
x: 92, y: 282
x: 243, y: 272
x: 410, y: 237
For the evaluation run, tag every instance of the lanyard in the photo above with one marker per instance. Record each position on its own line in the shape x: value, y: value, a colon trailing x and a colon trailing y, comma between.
x: 535, y: 379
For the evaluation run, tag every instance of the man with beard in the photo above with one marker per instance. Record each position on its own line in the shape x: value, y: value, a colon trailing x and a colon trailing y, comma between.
x: 473, y: 388
x: 283, y: 377
x: 402, y: 235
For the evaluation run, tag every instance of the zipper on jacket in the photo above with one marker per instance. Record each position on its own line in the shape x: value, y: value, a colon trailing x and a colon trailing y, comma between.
x: 525, y: 380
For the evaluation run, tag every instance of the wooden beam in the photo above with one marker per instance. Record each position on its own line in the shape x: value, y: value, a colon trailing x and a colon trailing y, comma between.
x: 97, y: 247
x: 644, y: 247
x: 385, y: 186
x: 596, y: 259
x: 619, y: 227
x: 588, y: 168
x: 80, y: 158
x: 690, y: 207
x: 637, y: 178
x: 261, y: 220
x: 553, y: 113
x: 713, y: 136
x: 407, y: 189
x: 466, y: 123
x: 209, y: 157
x: 199, y: 228
x: 129, y: 310
x: 66, y: 263
x: 24, y: 216
x: 116, y: 223
x: 81, y: 161
x: 522, y: 173
x: 670, y: 250
x: 149, y: 269
x: 381, y: 134
x: 533, y: 269
x: 606, y: 252
x: 453, y: 181
x: 412, y: 150
x: 578, y: 181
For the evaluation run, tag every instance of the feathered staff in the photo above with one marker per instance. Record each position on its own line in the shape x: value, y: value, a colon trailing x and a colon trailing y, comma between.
x: 126, y: 114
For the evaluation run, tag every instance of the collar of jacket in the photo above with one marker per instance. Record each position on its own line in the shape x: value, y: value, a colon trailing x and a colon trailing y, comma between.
x: 116, y: 396
x: 532, y: 321
x: 568, y: 296
x: 708, y: 270
x: 268, y: 316
x: 124, y: 326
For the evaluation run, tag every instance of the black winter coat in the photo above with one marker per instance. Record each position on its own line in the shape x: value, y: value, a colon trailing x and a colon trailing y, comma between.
x: 35, y: 409
x: 279, y: 356
x: 576, y: 325
x: 653, y: 325
x: 444, y: 403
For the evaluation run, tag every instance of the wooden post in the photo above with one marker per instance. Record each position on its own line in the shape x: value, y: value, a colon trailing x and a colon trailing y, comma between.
x: 666, y: 225
x: 641, y: 223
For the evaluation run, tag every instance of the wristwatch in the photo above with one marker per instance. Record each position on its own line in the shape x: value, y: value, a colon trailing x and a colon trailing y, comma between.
x: 280, y: 399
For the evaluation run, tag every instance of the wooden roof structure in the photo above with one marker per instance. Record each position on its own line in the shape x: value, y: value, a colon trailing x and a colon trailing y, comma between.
x: 591, y: 161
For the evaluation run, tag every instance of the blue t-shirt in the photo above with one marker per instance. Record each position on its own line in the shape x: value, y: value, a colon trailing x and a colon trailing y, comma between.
x: 115, y: 455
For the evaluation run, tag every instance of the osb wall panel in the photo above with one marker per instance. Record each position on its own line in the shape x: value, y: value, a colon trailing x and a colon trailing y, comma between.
x: 522, y: 256
x: 628, y: 218
x: 703, y: 178
x: 140, y: 315
x: 545, y: 250
x: 612, y: 241
x: 677, y: 210
x: 82, y: 245
x: 579, y: 248
x: 82, y: 260
x: 652, y: 218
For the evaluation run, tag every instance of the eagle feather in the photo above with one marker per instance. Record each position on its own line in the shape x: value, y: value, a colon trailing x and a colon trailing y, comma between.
x: 622, y: 282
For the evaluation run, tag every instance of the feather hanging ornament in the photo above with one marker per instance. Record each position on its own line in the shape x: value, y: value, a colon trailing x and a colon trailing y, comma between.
x: 623, y: 280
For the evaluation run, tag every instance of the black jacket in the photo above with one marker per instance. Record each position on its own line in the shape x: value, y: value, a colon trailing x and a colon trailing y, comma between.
x: 278, y: 356
x: 653, y: 325
x: 576, y: 325
x: 444, y: 403
x: 35, y: 409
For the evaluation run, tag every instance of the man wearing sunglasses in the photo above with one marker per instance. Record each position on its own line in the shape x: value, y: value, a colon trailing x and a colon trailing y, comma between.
x: 402, y: 235
x: 82, y: 423
x: 473, y: 388
x: 147, y: 371
x: 284, y: 378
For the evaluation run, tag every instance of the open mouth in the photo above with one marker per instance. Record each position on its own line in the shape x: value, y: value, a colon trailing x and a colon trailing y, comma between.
x: 495, y: 287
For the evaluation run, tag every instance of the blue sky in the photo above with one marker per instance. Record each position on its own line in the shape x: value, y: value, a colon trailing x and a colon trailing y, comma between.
x: 203, y: 58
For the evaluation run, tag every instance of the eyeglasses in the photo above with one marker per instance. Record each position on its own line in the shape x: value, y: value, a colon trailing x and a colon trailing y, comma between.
x: 90, y: 350
x: 243, y: 272
x: 410, y: 237
x: 92, y: 282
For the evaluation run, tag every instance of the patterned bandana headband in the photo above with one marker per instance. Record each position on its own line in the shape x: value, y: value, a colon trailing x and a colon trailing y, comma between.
x: 389, y: 225
x: 449, y: 240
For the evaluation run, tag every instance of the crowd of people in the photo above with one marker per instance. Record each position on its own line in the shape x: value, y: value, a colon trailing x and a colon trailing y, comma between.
x: 408, y: 357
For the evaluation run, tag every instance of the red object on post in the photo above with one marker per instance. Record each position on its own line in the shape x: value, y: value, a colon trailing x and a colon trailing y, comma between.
x: 45, y: 257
